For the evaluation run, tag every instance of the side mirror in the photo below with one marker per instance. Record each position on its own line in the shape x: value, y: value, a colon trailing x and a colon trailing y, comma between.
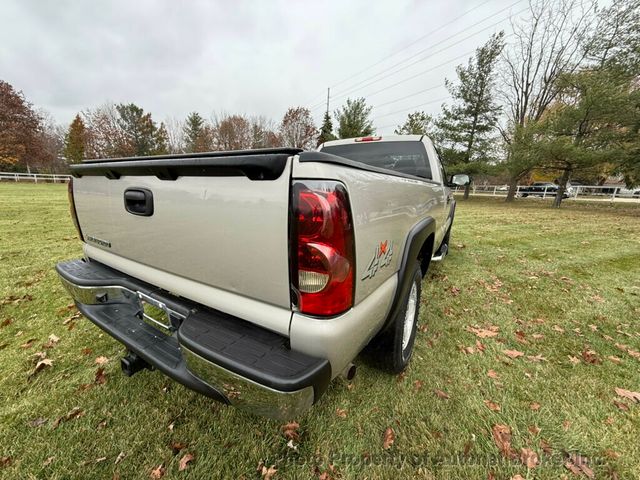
x: 459, y: 180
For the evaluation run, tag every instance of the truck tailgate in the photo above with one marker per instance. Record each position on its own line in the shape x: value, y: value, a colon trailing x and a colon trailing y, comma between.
x: 212, y: 226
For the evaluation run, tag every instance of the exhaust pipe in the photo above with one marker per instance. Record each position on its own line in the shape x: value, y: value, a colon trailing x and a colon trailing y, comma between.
x: 349, y: 372
x: 132, y: 364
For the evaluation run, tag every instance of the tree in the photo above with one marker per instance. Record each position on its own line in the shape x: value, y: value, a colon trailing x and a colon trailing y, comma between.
x: 590, y: 125
x: 198, y: 135
x: 297, y: 128
x: 20, y: 129
x: 326, y: 131
x: 105, y: 139
x: 138, y: 131
x: 264, y: 133
x: 417, y: 123
x: 75, y: 141
x: 353, y: 119
x: 160, y: 141
x: 466, y: 128
x: 232, y: 132
x: 548, y: 44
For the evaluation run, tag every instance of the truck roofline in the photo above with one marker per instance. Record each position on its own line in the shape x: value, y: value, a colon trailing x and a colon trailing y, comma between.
x: 378, y: 138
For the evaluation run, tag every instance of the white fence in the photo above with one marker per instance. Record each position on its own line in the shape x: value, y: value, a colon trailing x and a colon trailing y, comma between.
x: 577, y: 192
x: 34, y: 177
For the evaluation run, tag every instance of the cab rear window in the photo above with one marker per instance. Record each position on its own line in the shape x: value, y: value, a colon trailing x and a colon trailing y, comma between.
x: 404, y: 157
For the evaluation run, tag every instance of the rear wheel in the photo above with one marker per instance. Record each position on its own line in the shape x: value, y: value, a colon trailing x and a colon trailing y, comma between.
x: 397, y: 345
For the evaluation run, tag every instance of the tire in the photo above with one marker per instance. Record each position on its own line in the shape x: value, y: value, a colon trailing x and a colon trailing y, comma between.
x: 396, y: 347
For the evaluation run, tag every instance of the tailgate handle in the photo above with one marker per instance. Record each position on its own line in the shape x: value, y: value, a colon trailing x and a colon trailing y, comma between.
x: 138, y: 201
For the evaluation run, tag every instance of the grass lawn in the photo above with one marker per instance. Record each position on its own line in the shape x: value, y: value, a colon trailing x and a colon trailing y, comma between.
x: 557, y: 290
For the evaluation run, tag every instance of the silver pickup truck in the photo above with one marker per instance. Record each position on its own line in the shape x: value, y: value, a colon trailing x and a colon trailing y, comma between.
x: 256, y: 277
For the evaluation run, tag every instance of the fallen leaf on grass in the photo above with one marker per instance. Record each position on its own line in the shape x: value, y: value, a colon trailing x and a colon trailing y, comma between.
x: 48, y: 461
x: 578, y: 465
x: 342, y: 413
x: 513, y: 353
x: 5, y: 461
x: 51, y: 342
x: 101, y: 360
x: 492, y: 374
x: 490, y: 331
x: 480, y: 346
x: 565, y: 425
x: 589, y: 356
x: 529, y: 458
x: 574, y: 360
x: 517, y: 477
x: 389, y: 438
x: 494, y: 407
x: 86, y: 351
x: 5, y: 322
x: 119, y: 458
x: 546, y: 448
x: 185, y: 461
x: 535, y: 406
x: 635, y: 396
x: 558, y: 329
x: 441, y: 394
x: 75, y: 412
x: 537, y: 336
x: 534, y: 430
x: 158, y: 472
x: 290, y: 430
x: 455, y: 291
x: 292, y: 445
x: 28, y: 344
x: 502, y: 439
x: 177, y: 446
x: 267, y: 473
x: 100, y: 377
x: 622, y: 406
x: 41, y: 365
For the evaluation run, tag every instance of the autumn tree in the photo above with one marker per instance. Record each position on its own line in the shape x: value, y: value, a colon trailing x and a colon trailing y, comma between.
x: 232, y: 132
x: 326, y: 130
x: 354, y: 119
x: 549, y: 43
x: 75, y: 141
x: 417, y: 123
x: 467, y: 126
x: 264, y: 133
x: 297, y: 128
x: 20, y: 128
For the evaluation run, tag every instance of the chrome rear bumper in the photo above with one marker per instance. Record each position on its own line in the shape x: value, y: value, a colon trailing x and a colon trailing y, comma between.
x: 118, y: 307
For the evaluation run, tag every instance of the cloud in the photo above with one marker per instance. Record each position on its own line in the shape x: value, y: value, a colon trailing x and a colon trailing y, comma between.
x: 250, y: 57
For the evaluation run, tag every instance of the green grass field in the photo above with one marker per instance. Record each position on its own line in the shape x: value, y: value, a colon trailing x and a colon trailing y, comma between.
x: 560, y: 287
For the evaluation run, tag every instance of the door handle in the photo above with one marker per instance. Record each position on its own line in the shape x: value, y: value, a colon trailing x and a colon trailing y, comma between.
x: 138, y: 201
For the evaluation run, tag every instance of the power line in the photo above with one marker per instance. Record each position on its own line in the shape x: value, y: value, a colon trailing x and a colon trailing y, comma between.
x: 356, y: 86
x: 412, y: 43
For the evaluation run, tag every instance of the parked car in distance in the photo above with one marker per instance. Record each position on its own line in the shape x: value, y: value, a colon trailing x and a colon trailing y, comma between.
x: 256, y: 277
x: 544, y: 189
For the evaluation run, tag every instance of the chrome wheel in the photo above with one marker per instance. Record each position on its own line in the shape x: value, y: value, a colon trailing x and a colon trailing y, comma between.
x: 409, y: 316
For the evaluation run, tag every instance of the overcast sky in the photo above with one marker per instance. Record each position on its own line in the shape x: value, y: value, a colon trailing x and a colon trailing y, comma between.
x: 256, y: 58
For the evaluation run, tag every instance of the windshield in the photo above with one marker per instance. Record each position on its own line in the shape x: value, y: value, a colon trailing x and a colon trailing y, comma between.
x: 403, y: 157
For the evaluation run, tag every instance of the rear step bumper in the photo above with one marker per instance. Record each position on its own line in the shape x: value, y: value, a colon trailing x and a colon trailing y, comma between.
x: 215, y: 354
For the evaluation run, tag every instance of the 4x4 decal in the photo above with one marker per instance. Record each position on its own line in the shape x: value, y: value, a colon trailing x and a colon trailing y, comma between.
x: 381, y: 258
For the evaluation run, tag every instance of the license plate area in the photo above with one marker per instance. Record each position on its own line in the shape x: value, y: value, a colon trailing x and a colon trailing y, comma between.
x: 158, y: 314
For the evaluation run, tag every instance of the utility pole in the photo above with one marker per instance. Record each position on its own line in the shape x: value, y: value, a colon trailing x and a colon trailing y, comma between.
x: 328, y: 95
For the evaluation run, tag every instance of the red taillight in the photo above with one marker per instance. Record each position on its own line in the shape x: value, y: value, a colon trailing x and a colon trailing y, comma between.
x: 368, y: 139
x: 72, y: 208
x: 323, y: 259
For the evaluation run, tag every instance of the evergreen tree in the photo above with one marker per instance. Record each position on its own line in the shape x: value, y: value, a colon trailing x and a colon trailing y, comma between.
x: 353, y: 119
x: 326, y: 131
x: 161, y: 141
x: 193, y: 132
x: 138, y: 131
x: 417, y: 123
x: 75, y: 141
x: 466, y: 127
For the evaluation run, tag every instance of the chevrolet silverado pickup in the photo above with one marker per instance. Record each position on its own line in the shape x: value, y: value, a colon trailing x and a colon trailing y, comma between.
x: 256, y: 277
